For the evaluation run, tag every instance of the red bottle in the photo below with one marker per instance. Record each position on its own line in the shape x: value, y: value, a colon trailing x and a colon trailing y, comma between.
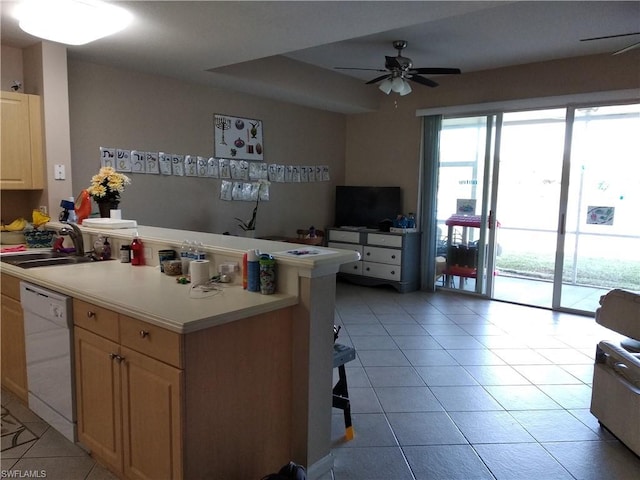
x: 137, y: 251
x: 244, y: 271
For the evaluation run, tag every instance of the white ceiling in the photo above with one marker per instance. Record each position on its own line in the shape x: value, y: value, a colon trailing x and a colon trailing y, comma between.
x: 287, y: 50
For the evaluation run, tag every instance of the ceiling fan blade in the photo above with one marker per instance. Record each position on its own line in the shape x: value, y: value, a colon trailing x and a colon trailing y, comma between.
x: 436, y: 71
x: 377, y: 79
x: 609, y: 36
x: 355, y: 68
x: 424, y: 81
x: 627, y: 48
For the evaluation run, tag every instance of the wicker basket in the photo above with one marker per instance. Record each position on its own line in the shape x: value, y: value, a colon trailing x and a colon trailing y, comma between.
x: 39, y: 238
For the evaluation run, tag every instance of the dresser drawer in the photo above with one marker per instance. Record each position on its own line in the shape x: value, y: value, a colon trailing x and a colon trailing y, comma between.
x: 344, y: 236
x: 380, y: 270
x: 96, y: 319
x: 382, y: 255
x: 346, y: 246
x: 354, y: 268
x: 384, y: 240
x: 151, y: 340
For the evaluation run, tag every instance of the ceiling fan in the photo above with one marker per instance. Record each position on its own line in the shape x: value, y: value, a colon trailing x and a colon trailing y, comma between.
x: 399, y: 69
x: 622, y: 50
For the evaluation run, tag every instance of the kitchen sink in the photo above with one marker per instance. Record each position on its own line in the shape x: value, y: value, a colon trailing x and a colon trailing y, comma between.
x: 43, y: 259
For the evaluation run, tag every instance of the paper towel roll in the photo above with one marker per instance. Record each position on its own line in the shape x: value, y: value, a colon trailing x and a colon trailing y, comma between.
x: 199, y: 270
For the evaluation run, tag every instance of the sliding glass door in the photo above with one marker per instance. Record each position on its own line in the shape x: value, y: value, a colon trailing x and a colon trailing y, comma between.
x: 601, y: 228
x: 528, y: 198
x: 563, y: 187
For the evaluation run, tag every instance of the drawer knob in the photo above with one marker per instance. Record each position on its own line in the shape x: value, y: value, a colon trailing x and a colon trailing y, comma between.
x: 144, y: 333
x: 355, y: 267
x: 393, y: 272
x: 91, y: 314
x: 393, y: 256
x: 368, y: 253
x: 368, y: 269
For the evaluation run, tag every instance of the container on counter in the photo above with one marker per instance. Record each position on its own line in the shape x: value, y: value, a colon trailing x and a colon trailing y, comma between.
x: 125, y: 254
x: 172, y: 267
x: 164, y: 255
x: 253, y: 271
x: 267, y: 274
x: 137, y: 250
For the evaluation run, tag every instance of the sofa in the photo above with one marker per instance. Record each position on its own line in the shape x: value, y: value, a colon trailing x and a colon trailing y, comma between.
x: 615, y: 397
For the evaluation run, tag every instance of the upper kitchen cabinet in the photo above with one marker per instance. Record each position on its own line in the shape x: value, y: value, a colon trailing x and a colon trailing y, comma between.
x: 22, y: 156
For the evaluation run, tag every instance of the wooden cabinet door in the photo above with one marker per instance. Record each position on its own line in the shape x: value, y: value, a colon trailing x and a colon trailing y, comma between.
x: 21, y: 153
x: 14, y: 362
x: 152, y: 417
x: 98, y: 396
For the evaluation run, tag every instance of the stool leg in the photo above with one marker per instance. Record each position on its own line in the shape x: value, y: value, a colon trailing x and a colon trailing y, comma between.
x: 342, y: 391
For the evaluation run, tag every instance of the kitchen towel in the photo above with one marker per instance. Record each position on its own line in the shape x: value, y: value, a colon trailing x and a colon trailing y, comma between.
x: 199, y: 270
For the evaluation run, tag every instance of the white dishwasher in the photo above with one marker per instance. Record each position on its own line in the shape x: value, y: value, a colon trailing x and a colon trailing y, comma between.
x: 48, y: 329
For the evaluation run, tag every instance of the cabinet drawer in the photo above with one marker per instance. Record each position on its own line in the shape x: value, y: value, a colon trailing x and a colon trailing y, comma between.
x: 343, y: 236
x: 355, y: 268
x: 384, y: 240
x: 382, y: 255
x: 151, y: 340
x: 11, y: 286
x: 346, y: 246
x: 95, y: 319
x: 380, y: 270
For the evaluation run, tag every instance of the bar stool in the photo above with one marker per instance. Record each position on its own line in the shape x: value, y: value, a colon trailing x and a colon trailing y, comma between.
x: 343, y: 354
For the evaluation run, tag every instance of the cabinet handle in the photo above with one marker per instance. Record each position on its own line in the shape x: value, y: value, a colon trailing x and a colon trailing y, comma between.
x: 116, y: 357
x: 91, y: 314
x: 144, y: 333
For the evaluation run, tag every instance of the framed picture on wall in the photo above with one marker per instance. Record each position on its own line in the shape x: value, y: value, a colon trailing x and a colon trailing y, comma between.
x: 237, y: 138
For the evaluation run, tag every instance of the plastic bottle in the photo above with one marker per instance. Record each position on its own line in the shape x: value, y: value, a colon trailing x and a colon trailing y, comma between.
x: 106, y: 249
x: 184, y: 256
x: 253, y: 271
x: 137, y: 250
x: 199, y: 251
x: 245, y: 274
x: 411, y: 221
x: 72, y: 213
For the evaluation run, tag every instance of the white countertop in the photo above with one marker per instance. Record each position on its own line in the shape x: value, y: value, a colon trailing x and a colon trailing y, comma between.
x: 145, y: 293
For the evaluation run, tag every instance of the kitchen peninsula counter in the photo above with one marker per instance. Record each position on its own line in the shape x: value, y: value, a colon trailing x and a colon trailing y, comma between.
x: 257, y: 369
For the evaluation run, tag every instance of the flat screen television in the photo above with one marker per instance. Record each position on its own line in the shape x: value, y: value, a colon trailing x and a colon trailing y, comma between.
x: 366, y: 206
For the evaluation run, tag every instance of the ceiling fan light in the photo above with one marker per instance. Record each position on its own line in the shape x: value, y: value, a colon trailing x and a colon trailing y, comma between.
x: 397, y: 84
x: 385, y: 86
x: 72, y: 22
x: 406, y: 90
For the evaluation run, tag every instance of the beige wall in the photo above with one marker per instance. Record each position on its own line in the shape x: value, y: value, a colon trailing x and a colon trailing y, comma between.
x: 383, y: 147
x: 117, y: 108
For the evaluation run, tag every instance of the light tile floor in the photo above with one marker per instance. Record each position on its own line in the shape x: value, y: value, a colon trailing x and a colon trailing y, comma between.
x: 445, y: 386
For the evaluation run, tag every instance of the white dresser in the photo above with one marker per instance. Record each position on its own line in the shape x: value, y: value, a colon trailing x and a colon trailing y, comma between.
x: 387, y: 258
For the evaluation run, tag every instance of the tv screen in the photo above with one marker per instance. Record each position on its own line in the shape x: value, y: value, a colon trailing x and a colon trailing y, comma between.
x: 366, y: 206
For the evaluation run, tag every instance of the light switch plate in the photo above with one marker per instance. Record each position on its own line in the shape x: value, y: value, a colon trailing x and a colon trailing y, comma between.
x: 59, y: 172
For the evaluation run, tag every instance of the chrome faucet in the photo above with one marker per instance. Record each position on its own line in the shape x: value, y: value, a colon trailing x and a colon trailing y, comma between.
x: 75, y: 234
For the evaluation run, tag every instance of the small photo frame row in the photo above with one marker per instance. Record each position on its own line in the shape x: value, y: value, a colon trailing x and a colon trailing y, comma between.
x: 161, y: 163
x: 244, y: 191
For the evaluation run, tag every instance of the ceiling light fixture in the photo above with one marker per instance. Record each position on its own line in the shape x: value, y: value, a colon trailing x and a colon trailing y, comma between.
x: 385, y: 86
x: 397, y: 84
x: 73, y: 22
